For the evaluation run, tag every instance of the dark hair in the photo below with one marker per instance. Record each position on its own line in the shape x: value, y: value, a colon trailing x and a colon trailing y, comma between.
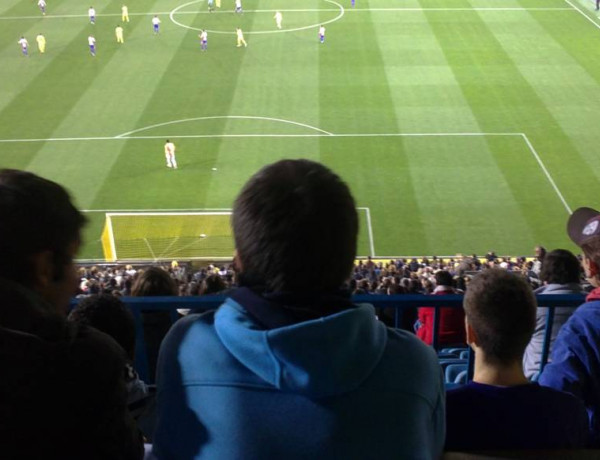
x: 560, y: 267
x: 35, y: 215
x: 501, y: 308
x: 212, y: 284
x: 108, y: 314
x: 295, y: 226
x: 154, y: 282
x: 443, y: 278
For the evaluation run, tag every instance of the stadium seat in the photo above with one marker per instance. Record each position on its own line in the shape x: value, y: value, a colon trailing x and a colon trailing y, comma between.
x: 452, y: 371
x: 447, y: 362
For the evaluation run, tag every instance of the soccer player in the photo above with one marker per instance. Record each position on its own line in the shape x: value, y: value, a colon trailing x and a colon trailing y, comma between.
x: 119, y: 34
x: 322, y: 34
x: 124, y: 14
x: 41, y: 42
x: 24, y: 44
x: 92, y: 44
x: 203, y: 40
x: 240, y: 37
x: 218, y: 3
x: 211, y: 5
x: 42, y: 6
x: 278, y: 18
x: 170, y: 154
x: 92, y: 15
x: 155, y: 24
x: 238, y: 6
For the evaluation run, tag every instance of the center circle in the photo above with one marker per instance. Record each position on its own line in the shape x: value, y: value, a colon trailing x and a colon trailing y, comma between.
x: 257, y: 32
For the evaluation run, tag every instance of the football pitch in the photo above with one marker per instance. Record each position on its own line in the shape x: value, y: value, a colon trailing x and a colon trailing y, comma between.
x: 460, y: 125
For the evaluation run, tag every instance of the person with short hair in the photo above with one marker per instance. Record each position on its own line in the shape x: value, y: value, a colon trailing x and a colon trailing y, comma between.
x: 155, y: 24
x: 92, y: 15
x: 42, y: 6
x: 41, y: 42
x: 288, y: 367
x: 119, y: 34
x: 240, y: 37
x: 575, y: 359
x: 561, y: 276
x: 278, y: 18
x: 24, y: 46
x: 203, y: 40
x: 124, y: 13
x: 238, y: 6
x: 170, y: 154
x: 500, y: 409
x: 92, y: 45
x: 63, y: 391
x: 322, y: 34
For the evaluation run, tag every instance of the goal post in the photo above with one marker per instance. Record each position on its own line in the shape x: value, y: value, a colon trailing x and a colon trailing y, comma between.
x: 167, y: 235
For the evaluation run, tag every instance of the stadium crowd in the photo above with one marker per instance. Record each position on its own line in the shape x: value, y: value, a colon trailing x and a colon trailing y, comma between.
x: 287, y: 366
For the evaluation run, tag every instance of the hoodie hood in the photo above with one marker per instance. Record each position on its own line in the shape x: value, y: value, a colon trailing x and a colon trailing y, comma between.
x: 320, y: 357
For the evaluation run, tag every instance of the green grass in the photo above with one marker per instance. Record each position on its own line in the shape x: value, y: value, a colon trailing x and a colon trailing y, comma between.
x: 390, y: 69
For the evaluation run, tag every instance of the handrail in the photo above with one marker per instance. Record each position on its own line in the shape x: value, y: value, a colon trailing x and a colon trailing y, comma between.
x: 399, y: 302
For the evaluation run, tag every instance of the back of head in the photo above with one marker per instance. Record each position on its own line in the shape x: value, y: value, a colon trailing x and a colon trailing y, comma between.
x: 501, y: 309
x: 154, y: 282
x: 110, y: 315
x: 443, y: 278
x: 295, y: 226
x: 560, y: 267
x: 35, y: 215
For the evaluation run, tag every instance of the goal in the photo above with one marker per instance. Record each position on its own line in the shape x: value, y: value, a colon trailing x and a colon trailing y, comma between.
x: 141, y: 236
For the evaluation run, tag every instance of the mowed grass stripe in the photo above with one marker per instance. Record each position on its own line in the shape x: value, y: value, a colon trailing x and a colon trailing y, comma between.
x: 480, y: 64
x: 353, y: 67
x: 575, y: 100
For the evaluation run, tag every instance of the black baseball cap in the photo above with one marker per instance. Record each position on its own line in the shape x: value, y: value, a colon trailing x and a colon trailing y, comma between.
x: 583, y: 225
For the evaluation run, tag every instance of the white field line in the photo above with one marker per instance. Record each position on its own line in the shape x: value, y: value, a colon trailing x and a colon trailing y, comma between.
x: 202, y: 136
x: 576, y: 8
x: 370, y: 231
x: 308, y: 10
x: 547, y: 174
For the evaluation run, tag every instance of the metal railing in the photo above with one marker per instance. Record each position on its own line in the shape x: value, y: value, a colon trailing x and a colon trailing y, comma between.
x: 399, y: 302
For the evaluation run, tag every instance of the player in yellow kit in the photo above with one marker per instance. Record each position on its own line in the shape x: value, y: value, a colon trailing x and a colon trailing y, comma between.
x: 41, y: 42
x: 240, y: 37
x: 124, y: 14
x: 119, y: 34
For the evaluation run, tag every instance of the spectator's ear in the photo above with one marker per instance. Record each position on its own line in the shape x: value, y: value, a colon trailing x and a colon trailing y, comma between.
x: 237, y: 263
x: 471, y: 335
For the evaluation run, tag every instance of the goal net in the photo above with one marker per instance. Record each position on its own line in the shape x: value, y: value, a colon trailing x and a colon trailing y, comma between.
x: 167, y: 236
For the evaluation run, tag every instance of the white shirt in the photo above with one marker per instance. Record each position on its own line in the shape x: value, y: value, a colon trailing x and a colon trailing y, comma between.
x: 155, y: 21
x: 42, y: 3
x: 278, y: 16
x: 23, y: 42
x: 321, y: 30
x: 204, y: 36
x: 91, y: 12
x: 238, y: 3
x: 91, y: 40
x: 170, y: 148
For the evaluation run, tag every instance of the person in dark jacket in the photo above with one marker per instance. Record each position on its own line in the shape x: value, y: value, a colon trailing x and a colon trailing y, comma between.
x: 62, y: 391
x: 575, y: 358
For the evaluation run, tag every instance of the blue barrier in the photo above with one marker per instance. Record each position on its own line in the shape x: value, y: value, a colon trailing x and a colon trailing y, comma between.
x: 399, y: 302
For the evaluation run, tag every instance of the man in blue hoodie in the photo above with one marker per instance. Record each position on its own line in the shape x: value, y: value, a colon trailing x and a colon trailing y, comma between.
x: 288, y: 367
x: 575, y: 358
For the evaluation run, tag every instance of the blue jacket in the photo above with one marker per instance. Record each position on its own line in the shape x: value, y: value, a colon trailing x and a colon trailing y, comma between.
x: 339, y: 386
x: 575, y: 365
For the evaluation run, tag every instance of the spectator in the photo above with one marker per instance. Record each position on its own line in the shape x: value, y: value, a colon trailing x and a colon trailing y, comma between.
x: 62, y: 391
x: 500, y: 319
x: 287, y: 367
x: 108, y: 314
x: 452, y: 329
x: 560, y: 275
x: 154, y: 282
x: 575, y: 358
